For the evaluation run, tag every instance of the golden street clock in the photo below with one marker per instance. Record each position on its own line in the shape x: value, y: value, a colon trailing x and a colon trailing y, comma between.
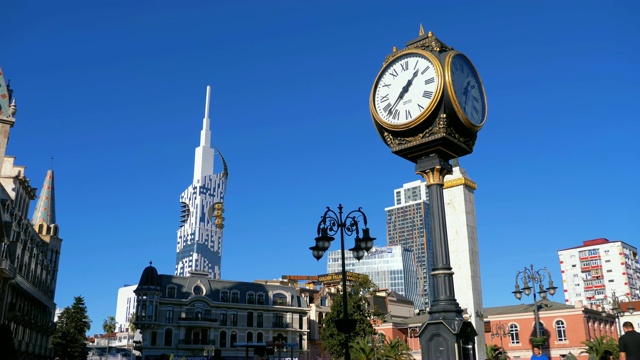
x: 465, y: 90
x: 406, y: 90
x: 428, y: 98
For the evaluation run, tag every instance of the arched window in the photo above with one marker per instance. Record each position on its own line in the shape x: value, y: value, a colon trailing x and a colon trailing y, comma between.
x: 234, y: 339
x: 279, y: 299
x: 514, y: 334
x: 561, y: 330
x: 250, y: 319
x: 260, y: 338
x: 223, y: 339
x: 168, y: 337
x: 249, y: 337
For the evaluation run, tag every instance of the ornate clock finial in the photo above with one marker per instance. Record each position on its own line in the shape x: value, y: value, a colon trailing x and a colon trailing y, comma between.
x: 394, y: 50
x: 421, y: 32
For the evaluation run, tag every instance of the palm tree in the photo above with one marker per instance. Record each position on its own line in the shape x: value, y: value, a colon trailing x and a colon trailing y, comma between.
x: 396, y: 349
x: 109, y: 327
x: 362, y: 350
x: 495, y: 352
x: 598, y: 345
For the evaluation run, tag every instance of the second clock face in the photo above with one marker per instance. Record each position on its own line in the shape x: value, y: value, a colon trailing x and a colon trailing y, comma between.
x: 468, y: 92
x: 407, y: 89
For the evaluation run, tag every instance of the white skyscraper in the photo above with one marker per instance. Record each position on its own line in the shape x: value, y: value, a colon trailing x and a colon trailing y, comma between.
x: 199, y: 246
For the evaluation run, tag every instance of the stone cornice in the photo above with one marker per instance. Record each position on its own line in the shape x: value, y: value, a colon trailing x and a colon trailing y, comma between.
x: 460, y: 181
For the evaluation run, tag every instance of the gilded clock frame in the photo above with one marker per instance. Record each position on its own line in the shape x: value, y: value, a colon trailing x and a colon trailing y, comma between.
x: 452, y: 94
x: 434, y: 101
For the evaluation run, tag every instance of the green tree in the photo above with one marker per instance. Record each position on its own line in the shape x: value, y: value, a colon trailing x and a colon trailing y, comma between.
x: 598, y: 345
x: 69, y: 338
x: 109, y: 327
x: 396, y: 349
x: 495, y: 352
x: 361, y: 349
x: 358, y: 308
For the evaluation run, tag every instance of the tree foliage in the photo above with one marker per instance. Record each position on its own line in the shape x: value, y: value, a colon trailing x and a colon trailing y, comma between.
x: 109, y: 327
x: 495, y: 352
x: 396, y: 349
x: 69, y: 338
x: 598, y: 345
x: 358, y: 308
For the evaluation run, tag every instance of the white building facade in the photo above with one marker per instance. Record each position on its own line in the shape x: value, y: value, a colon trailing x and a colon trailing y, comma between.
x: 597, y: 269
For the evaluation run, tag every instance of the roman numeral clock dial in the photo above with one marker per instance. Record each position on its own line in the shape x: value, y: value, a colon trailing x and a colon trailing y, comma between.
x: 466, y: 90
x: 406, y: 90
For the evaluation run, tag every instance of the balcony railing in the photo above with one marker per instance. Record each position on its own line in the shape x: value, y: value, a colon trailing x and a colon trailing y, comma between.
x: 197, y: 318
x: 280, y: 325
x: 196, y: 342
x: 7, y: 270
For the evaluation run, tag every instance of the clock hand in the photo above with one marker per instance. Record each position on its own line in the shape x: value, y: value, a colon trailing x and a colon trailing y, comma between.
x: 404, y: 91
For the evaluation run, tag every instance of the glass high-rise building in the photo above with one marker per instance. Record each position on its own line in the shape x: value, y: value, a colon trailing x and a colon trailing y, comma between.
x: 389, y: 267
x: 409, y: 226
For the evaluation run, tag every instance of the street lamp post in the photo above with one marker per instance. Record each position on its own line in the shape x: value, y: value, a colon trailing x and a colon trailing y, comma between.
x: 535, y: 277
x: 329, y: 225
x: 499, y: 330
x: 617, y: 310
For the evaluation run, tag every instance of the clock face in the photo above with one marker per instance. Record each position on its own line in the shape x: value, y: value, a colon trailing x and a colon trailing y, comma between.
x: 468, y: 94
x: 406, y: 89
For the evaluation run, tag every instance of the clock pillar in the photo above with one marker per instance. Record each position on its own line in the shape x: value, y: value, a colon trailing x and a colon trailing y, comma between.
x: 446, y: 335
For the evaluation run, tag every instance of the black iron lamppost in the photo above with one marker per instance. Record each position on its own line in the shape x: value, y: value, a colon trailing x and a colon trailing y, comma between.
x: 617, y: 310
x: 499, y: 330
x: 329, y: 225
x: 535, y: 277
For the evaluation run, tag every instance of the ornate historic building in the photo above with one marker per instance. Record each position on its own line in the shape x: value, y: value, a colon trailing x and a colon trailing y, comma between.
x: 29, y: 250
x: 195, y: 315
x: 199, y: 245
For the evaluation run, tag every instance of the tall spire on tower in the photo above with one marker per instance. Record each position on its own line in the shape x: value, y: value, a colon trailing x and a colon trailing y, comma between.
x: 44, y: 215
x: 204, y: 152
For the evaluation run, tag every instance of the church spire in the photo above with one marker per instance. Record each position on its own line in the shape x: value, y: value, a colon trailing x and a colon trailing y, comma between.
x: 44, y: 215
x: 204, y: 152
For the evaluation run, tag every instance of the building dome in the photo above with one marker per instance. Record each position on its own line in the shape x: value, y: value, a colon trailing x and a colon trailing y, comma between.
x: 150, y: 280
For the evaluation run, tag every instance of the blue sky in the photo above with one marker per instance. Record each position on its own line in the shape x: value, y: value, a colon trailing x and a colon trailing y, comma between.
x: 115, y: 90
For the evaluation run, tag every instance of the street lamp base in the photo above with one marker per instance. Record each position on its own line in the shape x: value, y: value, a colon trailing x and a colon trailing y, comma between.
x: 448, y: 339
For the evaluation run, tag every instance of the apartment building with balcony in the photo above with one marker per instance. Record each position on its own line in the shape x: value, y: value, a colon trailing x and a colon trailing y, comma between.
x: 598, y: 270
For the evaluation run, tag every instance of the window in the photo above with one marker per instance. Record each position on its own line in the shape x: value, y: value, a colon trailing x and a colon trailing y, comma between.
x: 223, y: 339
x: 234, y: 339
x: 251, y: 298
x: 168, y: 317
x: 223, y: 319
x: 235, y: 296
x: 278, y: 321
x: 260, y: 338
x: 249, y: 337
x: 198, y: 290
x: 250, y: 319
x: 279, y: 299
x: 260, y: 321
x: 261, y: 299
x: 561, y: 332
x: 171, y: 292
x: 514, y: 334
x: 168, y: 336
x: 234, y: 320
x: 154, y: 338
x: 224, y: 296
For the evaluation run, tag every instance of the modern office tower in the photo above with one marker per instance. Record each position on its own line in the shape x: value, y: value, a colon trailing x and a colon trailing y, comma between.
x: 598, y: 268
x: 389, y: 267
x: 408, y: 225
x: 29, y: 252
x: 462, y: 233
x: 199, y: 245
x: 125, y: 307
